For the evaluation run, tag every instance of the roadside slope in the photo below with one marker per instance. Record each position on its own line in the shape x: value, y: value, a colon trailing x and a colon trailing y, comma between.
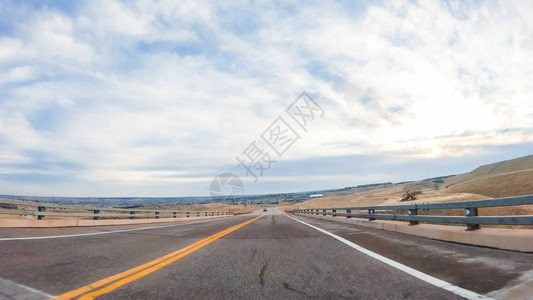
x: 510, y: 184
x: 495, y: 169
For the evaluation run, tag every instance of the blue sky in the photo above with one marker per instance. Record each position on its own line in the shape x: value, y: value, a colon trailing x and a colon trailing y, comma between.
x: 155, y: 98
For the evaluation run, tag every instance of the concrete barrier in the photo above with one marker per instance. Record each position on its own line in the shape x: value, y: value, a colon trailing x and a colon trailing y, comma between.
x: 28, y: 223
x: 508, y: 239
x: 14, y: 223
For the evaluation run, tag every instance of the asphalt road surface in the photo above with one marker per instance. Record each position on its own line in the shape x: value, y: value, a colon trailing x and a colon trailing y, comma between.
x: 266, y: 255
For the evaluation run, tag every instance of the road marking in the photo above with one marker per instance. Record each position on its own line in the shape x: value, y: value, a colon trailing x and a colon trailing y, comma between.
x: 422, y: 276
x: 99, y: 232
x: 27, y: 288
x: 93, y: 290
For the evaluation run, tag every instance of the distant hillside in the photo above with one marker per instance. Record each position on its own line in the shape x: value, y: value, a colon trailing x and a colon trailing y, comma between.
x: 506, y: 166
x: 503, y: 179
x: 505, y: 185
x: 507, y: 178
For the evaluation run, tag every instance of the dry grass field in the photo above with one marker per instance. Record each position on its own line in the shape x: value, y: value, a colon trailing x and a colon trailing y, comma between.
x: 503, y: 179
x: 491, y: 170
x: 240, y: 209
x: 502, y: 185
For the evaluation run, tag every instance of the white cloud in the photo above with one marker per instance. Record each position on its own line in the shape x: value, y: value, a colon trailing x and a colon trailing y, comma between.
x: 9, y: 48
x: 16, y: 74
x: 121, y: 88
x: 443, y: 72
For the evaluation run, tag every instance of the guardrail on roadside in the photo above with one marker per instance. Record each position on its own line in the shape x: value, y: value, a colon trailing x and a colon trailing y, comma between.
x: 471, y: 218
x: 97, y: 212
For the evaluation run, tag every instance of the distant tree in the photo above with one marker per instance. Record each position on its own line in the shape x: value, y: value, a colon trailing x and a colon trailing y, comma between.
x: 410, y: 193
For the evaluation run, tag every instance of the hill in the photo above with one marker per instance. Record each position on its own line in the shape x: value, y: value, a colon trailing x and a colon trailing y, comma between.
x: 503, y: 185
x: 494, y: 169
x: 502, y: 179
x: 506, y: 178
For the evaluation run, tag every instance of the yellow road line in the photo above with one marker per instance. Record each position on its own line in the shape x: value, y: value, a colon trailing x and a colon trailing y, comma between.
x: 125, y: 277
x: 92, y: 286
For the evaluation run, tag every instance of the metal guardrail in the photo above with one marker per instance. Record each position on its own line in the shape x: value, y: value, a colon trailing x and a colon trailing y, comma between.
x: 98, y: 212
x: 471, y: 218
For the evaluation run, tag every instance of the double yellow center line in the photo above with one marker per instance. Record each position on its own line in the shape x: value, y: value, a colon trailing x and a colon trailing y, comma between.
x: 109, y: 284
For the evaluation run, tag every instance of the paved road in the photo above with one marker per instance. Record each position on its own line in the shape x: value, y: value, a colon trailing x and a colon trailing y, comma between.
x: 274, y: 256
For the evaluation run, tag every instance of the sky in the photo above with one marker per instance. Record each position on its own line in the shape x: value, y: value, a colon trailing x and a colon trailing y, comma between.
x: 156, y: 98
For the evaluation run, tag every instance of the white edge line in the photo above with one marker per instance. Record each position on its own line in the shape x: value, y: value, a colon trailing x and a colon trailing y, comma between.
x: 97, y: 233
x: 422, y: 276
x: 48, y: 296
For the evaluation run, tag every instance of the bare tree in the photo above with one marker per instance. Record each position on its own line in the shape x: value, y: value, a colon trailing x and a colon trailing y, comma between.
x: 410, y: 192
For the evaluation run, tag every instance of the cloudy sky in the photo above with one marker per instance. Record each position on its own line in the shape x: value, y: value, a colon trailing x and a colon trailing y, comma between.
x: 155, y: 98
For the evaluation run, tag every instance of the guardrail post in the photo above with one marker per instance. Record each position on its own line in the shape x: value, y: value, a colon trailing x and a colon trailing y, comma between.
x: 41, y: 208
x: 371, y: 212
x: 187, y: 214
x: 218, y: 213
x: 206, y: 214
x: 174, y: 214
x: 323, y: 212
x: 316, y: 212
x: 472, y: 212
x: 96, y: 214
x: 413, y: 212
x: 132, y: 214
x: 348, y: 211
x: 157, y: 215
x: 334, y: 212
x: 198, y: 214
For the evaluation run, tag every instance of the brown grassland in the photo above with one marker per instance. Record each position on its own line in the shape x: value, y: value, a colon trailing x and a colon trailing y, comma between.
x: 503, y: 179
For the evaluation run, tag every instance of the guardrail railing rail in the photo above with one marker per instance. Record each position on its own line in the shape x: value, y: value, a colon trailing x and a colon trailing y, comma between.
x: 96, y: 212
x: 472, y: 219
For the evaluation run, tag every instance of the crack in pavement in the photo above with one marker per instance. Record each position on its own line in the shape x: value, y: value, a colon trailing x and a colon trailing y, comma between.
x: 288, y: 287
x: 262, y: 274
